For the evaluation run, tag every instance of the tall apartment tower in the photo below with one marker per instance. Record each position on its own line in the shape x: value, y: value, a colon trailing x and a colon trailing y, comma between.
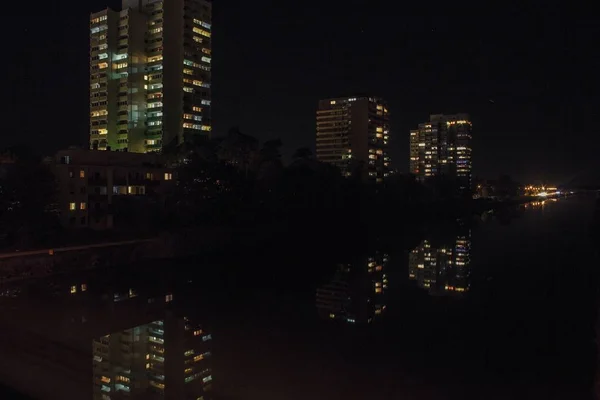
x: 442, y: 146
x: 150, y: 74
x: 353, y: 134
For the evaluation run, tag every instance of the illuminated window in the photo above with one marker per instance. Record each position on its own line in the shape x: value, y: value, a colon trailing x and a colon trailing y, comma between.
x: 201, y: 32
x: 120, y: 65
x: 72, y: 206
x: 155, y: 58
x: 99, y: 19
x: 82, y: 206
x: 103, y: 65
x: 206, y: 51
x: 206, y: 102
x: 198, y: 39
x: 198, y: 332
x: 202, y: 23
x: 168, y: 298
x: 73, y: 289
x: 206, y: 59
x: 100, y: 28
x: 197, y: 109
x: 82, y: 174
x: 155, y: 104
x: 83, y: 287
x: 188, y: 353
x: 168, y: 177
x: 188, y: 89
x: 188, y: 71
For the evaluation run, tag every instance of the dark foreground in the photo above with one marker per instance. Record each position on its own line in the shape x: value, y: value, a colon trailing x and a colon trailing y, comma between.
x: 499, y: 308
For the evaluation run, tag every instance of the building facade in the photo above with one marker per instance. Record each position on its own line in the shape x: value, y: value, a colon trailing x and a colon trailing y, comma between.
x: 95, y: 187
x: 353, y: 134
x: 442, y: 147
x: 150, y: 74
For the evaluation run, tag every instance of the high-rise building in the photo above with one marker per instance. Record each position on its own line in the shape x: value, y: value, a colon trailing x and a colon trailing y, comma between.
x: 353, y: 134
x: 442, y: 146
x: 150, y: 74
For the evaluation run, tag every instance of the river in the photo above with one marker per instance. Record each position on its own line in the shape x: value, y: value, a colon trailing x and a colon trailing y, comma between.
x: 497, y: 307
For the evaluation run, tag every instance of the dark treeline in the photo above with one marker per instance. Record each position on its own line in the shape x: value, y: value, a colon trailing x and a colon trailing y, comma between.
x: 233, y: 182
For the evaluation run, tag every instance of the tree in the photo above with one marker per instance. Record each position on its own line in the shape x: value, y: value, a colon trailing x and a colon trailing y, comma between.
x: 28, y: 212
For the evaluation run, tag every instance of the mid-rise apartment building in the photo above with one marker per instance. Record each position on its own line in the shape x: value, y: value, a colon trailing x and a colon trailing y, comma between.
x: 95, y: 186
x: 442, y: 146
x: 353, y: 134
x: 150, y: 74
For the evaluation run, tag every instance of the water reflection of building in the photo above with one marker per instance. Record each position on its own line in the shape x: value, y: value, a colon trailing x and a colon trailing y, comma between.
x: 442, y: 268
x: 127, y: 343
x: 168, y: 358
x: 356, y: 293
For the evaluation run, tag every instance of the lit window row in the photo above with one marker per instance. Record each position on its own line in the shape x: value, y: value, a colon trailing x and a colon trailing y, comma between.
x: 198, y: 39
x: 99, y: 19
x: 154, y: 123
x: 120, y: 65
x: 188, y: 125
x: 202, y: 23
x: 192, y: 117
x: 155, y: 30
x: 155, y: 58
x: 201, y: 32
x: 99, y: 29
x: 197, y: 109
x: 155, y: 104
x: 206, y: 51
x: 99, y: 113
x: 188, y: 71
x: 206, y: 59
x: 196, y: 65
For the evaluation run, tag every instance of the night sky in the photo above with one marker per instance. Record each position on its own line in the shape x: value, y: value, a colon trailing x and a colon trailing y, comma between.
x: 525, y: 73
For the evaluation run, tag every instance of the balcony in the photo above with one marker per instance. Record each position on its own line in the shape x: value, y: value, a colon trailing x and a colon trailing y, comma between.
x: 97, y: 181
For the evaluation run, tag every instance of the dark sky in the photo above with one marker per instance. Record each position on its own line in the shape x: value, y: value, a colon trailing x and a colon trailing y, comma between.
x: 272, y: 61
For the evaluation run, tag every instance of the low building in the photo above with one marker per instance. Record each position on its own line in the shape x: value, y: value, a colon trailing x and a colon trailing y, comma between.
x: 102, y: 190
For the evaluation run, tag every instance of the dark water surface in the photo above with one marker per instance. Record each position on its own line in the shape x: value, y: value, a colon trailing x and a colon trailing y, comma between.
x: 502, y: 307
